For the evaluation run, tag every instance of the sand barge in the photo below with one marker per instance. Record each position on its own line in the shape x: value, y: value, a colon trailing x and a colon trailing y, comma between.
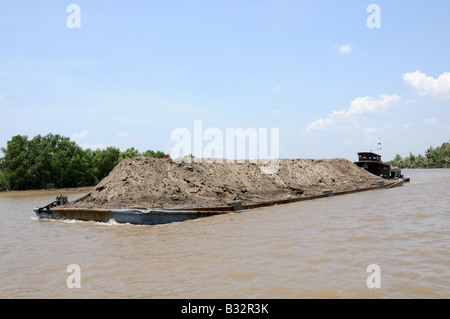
x: 146, y: 183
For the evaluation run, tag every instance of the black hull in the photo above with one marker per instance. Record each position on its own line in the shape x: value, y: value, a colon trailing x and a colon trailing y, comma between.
x: 379, y: 169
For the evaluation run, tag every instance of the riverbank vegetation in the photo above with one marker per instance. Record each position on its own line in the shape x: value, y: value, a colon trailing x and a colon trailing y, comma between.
x: 434, y: 157
x: 54, y: 161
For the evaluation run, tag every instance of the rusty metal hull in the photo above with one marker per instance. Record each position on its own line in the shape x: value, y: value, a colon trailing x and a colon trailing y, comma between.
x: 130, y: 216
x: 164, y: 216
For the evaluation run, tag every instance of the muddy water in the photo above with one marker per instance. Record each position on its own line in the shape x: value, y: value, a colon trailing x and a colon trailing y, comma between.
x: 315, y: 249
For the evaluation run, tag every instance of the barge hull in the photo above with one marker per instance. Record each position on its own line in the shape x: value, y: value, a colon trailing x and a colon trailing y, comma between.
x: 127, y: 216
x: 164, y: 216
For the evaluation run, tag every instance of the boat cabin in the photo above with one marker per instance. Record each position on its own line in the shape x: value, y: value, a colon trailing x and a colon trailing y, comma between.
x: 372, y: 162
x: 368, y: 156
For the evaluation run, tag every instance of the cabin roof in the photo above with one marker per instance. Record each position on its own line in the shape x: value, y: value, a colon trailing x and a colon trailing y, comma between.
x: 369, y: 153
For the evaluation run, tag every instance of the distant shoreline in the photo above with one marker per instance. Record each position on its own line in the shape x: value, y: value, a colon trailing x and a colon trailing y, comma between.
x: 51, y: 190
x: 424, y: 167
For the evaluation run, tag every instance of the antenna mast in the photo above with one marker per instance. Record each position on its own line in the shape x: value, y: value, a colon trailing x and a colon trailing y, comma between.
x: 379, y: 146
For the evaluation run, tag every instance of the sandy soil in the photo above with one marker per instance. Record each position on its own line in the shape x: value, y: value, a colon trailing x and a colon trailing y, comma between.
x: 148, y: 182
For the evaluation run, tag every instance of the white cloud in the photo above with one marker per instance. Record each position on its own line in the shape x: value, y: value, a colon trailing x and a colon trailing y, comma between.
x: 277, y: 112
x: 319, y: 124
x: 345, y: 49
x: 349, y: 143
x: 370, y: 130
x: 80, y: 135
x: 358, y: 107
x: 122, y: 134
x: 427, y: 86
x: 369, y: 105
x: 278, y: 89
x: 431, y: 121
x: 435, y: 124
x: 1, y: 97
x: 333, y: 120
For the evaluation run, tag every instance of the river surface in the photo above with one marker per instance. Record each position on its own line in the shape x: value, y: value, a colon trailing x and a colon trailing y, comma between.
x: 313, y: 249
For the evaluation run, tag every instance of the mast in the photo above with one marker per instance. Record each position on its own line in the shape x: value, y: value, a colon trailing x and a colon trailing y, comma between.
x: 379, y: 146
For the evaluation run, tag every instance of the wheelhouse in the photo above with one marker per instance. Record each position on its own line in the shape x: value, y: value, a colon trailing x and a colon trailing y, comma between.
x: 368, y: 156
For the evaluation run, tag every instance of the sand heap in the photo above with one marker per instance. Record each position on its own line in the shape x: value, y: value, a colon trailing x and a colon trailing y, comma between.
x: 148, y: 182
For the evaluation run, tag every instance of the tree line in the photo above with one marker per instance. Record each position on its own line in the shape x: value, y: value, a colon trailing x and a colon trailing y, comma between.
x: 434, y: 157
x: 56, y: 161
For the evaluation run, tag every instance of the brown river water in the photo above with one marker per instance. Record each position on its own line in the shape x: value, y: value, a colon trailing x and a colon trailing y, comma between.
x: 313, y: 249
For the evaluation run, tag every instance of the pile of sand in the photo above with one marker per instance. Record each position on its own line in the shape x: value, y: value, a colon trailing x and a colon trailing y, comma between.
x: 148, y: 182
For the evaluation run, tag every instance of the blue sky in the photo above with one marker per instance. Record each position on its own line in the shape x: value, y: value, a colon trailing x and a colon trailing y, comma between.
x: 137, y: 70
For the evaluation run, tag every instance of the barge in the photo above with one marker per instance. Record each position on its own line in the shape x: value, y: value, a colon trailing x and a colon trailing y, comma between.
x: 142, y: 216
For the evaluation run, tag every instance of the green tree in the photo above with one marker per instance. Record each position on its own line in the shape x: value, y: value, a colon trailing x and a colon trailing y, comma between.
x: 105, y: 161
x: 64, y: 150
x: 129, y: 153
x: 16, y: 162
x: 157, y: 154
x: 434, y: 157
x: 29, y: 164
x: 397, y: 161
x: 149, y: 153
x: 3, y: 182
x: 40, y: 170
x: 80, y: 169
